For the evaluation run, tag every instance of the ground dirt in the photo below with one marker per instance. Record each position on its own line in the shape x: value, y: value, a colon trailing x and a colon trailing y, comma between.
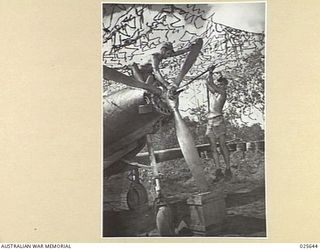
x: 244, y: 197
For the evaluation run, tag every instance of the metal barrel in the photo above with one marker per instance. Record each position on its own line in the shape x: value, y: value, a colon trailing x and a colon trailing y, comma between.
x: 241, y: 146
x: 260, y: 146
x: 232, y: 147
x: 251, y: 146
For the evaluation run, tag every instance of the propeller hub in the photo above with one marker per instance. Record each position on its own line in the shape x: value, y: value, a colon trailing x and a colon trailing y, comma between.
x: 159, y: 104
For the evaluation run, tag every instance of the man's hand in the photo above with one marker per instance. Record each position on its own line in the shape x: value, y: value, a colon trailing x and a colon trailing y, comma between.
x: 194, y: 43
x: 211, y: 68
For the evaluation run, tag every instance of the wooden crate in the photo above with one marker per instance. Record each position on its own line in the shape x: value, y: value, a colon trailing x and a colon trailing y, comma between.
x: 207, y: 211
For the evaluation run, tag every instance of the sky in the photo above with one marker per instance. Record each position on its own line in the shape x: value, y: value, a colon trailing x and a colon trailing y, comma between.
x: 246, y: 16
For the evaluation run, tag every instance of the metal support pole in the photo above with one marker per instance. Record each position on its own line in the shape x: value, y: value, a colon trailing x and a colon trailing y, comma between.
x: 164, y: 216
x: 154, y: 165
x: 208, y: 99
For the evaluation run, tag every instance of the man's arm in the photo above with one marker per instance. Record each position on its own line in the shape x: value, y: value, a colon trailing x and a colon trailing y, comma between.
x: 179, y: 52
x: 156, y: 70
x: 136, y: 72
x: 213, y: 87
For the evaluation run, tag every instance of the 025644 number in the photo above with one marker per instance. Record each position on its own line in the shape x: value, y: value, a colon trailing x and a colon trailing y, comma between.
x: 308, y: 245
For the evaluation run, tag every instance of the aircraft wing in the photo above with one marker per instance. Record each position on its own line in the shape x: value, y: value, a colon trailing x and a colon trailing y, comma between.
x: 167, y: 154
x: 203, y: 149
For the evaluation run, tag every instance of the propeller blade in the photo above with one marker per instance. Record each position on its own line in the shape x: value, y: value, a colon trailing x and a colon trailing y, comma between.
x: 114, y: 75
x: 190, y: 60
x: 190, y: 152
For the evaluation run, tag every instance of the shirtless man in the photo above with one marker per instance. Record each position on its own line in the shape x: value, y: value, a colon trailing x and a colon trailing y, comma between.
x: 151, y: 68
x: 216, y: 129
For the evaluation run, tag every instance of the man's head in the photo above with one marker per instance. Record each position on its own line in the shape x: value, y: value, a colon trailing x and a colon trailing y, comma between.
x: 223, y: 81
x: 166, y: 48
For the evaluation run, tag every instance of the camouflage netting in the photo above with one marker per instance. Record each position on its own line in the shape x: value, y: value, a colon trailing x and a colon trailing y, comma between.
x: 132, y: 32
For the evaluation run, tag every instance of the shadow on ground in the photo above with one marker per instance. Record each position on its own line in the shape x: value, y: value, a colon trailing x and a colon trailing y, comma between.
x: 142, y: 222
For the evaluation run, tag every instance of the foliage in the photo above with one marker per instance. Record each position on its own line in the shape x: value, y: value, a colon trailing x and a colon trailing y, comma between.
x: 246, y: 90
x: 244, y: 132
x: 166, y: 137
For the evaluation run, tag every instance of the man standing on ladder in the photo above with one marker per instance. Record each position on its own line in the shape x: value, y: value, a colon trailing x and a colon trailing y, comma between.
x: 216, y: 129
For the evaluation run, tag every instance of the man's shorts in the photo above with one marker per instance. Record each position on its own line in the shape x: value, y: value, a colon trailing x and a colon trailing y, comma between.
x: 216, y: 126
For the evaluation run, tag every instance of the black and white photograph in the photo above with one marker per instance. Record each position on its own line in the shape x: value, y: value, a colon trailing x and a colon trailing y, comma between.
x: 184, y: 120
